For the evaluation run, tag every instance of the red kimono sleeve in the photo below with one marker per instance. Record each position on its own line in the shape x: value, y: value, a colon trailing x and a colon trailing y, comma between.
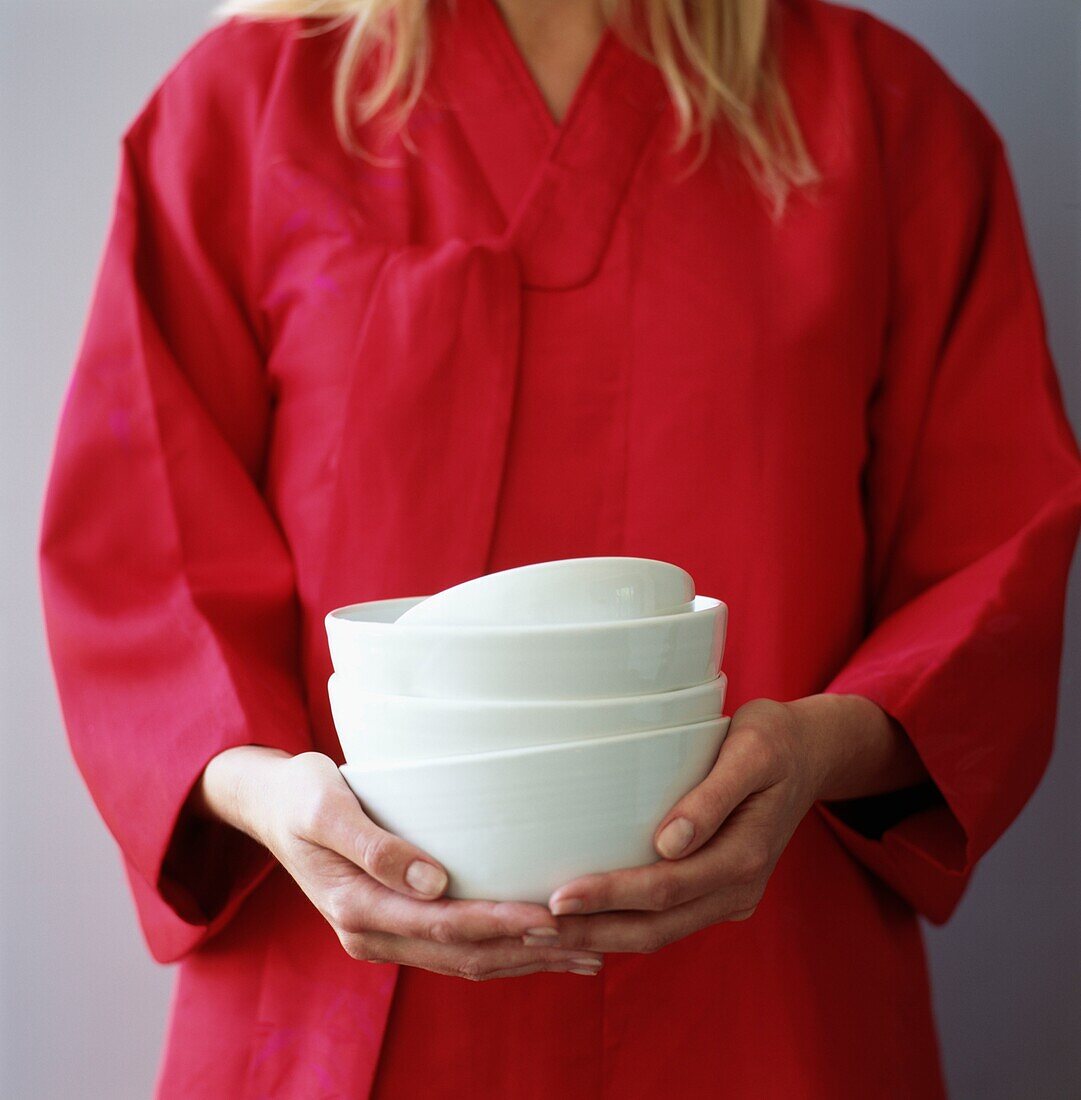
x: 973, y: 499
x: 168, y: 589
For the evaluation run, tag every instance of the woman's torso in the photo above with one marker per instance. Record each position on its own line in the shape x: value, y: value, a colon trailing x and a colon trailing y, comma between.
x: 523, y: 344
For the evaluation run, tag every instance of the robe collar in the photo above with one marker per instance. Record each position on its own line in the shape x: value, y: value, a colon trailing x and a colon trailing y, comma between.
x: 419, y: 467
x: 559, y: 186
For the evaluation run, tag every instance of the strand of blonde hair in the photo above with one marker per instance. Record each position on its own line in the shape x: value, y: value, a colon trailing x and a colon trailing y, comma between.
x: 717, y: 59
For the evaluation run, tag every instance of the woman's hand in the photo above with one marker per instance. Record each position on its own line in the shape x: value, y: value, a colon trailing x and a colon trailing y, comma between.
x: 721, y: 841
x: 379, y: 893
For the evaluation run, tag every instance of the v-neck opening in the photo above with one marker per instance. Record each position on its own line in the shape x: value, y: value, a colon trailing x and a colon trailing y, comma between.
x: 557, y: 185
x: 510, y: 53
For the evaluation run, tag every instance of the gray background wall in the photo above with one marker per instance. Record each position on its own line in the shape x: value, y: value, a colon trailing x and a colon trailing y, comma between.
x: 82, y: 1007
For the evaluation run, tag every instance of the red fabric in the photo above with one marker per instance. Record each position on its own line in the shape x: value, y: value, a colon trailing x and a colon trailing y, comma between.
x: 308, y: 379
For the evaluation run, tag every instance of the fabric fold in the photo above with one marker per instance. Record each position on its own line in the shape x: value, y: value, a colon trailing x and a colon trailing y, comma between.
x: 427, y: 419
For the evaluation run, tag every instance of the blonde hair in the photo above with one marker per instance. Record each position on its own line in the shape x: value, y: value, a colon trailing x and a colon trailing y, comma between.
x: 717, y: 59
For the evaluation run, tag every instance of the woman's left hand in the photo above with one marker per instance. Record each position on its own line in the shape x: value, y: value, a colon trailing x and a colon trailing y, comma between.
x: 721, y: 841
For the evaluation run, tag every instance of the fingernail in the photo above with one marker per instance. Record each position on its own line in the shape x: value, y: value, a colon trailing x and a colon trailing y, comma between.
x: 424, y: 878
x: 564, y: 906
x: 583, y: 970
x: 542, y: 931
x: 675, y: 836
x: 588, y: 961
x: 540, y: 941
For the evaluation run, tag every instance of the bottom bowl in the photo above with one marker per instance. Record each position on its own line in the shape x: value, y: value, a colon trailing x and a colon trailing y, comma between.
x: 515, y: 826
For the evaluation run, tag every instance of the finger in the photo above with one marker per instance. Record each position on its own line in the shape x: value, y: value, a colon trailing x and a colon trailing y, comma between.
x: 733, y: 860
x: 645, y: 933
x: 476, y: 962
x: 367, y: 904
x: 335, y: 819
x: 744, y: 765
x: 521, y: 971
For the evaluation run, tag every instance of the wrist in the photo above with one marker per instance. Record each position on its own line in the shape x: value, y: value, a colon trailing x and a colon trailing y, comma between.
x: 233, y: 787
x: 820, y: 720
x: 853, y: 748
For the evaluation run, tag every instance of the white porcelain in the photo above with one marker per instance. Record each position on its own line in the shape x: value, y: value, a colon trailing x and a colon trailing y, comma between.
x: 560, y: 661
x: 571, y: 590
x: 514, y: 826
x: 376, y: 729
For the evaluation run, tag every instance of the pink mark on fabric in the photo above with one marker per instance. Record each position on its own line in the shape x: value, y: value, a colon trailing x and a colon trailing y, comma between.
x: 297, y: 220
x: 327, y: 283
x: 277, y: 297
x: 276, y: 1041
x: 323, y: 1076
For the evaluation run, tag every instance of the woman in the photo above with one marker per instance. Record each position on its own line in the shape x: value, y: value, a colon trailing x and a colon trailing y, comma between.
x: 402, y: 293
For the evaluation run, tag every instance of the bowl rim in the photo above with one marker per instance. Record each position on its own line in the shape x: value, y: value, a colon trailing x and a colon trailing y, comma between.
x: 701, y: 607
x: 555, y: 565
x: 460, y: 759
x: 423, y: 702
x: 570, y: 562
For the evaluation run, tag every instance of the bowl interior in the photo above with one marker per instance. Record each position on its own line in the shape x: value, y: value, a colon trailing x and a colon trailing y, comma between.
x: 375, y: 611
x: 381, y: 614
x: 573, y: 590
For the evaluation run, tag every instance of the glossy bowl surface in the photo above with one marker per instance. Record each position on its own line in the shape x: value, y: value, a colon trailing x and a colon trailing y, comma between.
x: 547, y: 661
x: 374, y: 728
x: 514, y: 826
x: 571, y: 590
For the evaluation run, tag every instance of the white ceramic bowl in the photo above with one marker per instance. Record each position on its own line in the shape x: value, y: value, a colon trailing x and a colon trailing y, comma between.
x: 572, y: 590
x: 377, y: 729
x: 554, y: 661
x: 514, y: 826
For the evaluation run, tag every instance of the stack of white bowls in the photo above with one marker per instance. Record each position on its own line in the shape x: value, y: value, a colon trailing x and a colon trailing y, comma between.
x: 532, y: 725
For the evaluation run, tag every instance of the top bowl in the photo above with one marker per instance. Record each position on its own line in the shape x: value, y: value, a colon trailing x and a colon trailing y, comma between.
x: 550, y: 661
x: 572, y: 590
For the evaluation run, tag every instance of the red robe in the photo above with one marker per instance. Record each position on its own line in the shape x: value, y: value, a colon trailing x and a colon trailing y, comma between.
x: 309, y: 379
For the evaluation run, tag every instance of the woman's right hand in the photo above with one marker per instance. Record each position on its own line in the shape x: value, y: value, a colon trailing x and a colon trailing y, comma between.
x: 380, y: 894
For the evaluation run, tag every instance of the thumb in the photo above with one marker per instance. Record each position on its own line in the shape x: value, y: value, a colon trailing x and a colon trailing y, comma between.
x: 341, y: 824
x: 738, y: 772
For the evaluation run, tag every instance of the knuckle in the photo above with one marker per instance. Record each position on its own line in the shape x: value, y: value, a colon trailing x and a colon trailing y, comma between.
x: 651, y: 942
x: 377, y: 854
x: 301, y: 768
x: 752, y: 864
x: 716, y: 797
x: 767, y: 732
x: 341, y: 914
x: 662, y: 893
x: 358, y: 947
x: 752, y: 903
x: 444, y: 931
x: 756, y: 741
x: 307, y: 762
x: 574, y: 937
x: 472, y: 968
x: 742, y: 914
x: 646, y: 938
x: 315, y: 816
x: 765, y: 712
x: 504, y: 920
